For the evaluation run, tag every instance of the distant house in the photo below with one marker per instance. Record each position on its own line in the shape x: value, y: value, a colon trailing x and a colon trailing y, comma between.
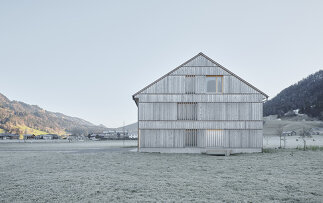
x: 289, y: 133
x: 28, y: 136
x: 47, y: 137
x: 14, y: 137
x: 316, y: 131
x: 50, y: 136
x: 133, y: 136
x: 4, y: 136
x: 7, y: 136
x: 198, y: 107
x: 110, y: 135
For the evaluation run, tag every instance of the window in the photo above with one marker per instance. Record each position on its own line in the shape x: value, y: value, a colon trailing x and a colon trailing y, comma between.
x: 187, y: 111
x: 190, y: 84
x: 214, y: 83
x: 191, y: 136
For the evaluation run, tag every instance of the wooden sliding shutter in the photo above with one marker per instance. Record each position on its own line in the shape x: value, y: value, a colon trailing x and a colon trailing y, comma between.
x: 187, y: 111
x: 190, y: 84
x: 191, y: 138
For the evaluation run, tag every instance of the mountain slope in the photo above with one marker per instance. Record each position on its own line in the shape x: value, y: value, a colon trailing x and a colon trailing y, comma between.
x: 306, y: 95
x: 130, y: 128
x: 18, y: 117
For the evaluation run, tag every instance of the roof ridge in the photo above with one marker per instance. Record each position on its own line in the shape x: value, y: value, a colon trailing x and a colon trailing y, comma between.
x: 208, y: 58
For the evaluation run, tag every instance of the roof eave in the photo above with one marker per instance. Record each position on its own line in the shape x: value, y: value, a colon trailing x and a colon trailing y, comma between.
x: 235, y: 75
x: 167, y: 74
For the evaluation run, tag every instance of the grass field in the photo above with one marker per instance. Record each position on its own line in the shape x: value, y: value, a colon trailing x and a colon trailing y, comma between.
x: 271, y: 126
x: 107, y: 171
x: 29, y: 130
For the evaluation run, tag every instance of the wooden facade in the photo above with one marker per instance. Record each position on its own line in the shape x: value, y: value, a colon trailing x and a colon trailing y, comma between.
x: 200, y: 105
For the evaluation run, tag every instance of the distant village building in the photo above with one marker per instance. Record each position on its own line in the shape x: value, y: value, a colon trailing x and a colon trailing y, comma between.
x: 110, y: 135
x: 4, y: 136
x: 133, y: 136
x: 28, y: 136
x: 200, y: 107
x: 7, y: 136
x: 289, y: 133
x: 50, y: 137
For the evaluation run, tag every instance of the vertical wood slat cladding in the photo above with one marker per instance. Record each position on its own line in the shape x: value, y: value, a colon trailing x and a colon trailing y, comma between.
x: 180, y: 84
x: 229, y: 111
x: 188, y: 124
x: 168, y: 85
x: 190, y: 84
x: 201, y: 138
x: 162, y: 138
x: 234, y: 85
x: 227, y: 98
x: 191, y: 138
x: 200, y: 111
x: 200, y: 61
x: 214, y: 138
x: 158, y: 111
x: 177, y: 112
x: 187, y: 111
x: 201, y: 70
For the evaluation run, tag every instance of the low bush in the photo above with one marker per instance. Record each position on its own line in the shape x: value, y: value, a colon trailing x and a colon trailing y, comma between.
x: 311, y: 148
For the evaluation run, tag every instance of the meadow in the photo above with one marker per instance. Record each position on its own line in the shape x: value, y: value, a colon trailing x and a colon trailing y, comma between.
x: 113, y: 172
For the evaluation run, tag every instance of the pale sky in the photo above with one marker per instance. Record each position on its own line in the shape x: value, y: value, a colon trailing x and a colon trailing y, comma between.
x: 87, y: 58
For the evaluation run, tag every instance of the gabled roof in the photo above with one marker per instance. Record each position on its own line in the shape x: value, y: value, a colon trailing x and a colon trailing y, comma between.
x: 203, y: 55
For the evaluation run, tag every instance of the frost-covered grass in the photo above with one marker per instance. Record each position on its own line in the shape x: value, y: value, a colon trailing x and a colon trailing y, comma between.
x: 97, y: 172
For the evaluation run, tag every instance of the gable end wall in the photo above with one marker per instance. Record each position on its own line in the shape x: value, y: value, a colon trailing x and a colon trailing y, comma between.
x: 232, y: 119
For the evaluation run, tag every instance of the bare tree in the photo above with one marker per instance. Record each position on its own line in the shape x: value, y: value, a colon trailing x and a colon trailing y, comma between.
x: 304, y: 134
x: 266, y: 137
x: 279, y: 132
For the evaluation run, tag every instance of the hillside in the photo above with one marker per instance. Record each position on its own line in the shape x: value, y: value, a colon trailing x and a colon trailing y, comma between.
x: 306, y: 95
x: 130, y: 128
x: 21, y: 118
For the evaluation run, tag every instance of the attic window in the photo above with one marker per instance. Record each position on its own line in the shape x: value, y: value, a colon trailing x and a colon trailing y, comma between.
x: 214, y: 83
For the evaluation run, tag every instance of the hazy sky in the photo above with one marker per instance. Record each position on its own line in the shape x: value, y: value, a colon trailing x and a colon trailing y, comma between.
x: 87, y: 58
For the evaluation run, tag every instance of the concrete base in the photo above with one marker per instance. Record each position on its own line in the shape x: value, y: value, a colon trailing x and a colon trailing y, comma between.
x: 225, y: 152
x: 172, y: 150
x: 214, y: 151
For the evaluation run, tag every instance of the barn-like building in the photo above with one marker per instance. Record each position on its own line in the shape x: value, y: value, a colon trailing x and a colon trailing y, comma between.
x: 200, y: 107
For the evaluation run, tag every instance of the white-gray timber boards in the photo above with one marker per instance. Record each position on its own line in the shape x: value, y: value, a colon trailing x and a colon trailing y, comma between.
x: 200, y: 106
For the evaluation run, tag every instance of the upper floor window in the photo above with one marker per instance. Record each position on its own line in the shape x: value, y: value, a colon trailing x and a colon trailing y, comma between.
x: 190, y: 84
x: 214, y: 83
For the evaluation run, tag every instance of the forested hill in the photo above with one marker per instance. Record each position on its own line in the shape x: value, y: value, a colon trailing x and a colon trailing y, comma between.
x: 21, y: 118
x: 306, y: 95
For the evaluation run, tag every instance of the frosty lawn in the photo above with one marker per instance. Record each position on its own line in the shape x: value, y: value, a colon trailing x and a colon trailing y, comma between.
x: 97, y: 171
